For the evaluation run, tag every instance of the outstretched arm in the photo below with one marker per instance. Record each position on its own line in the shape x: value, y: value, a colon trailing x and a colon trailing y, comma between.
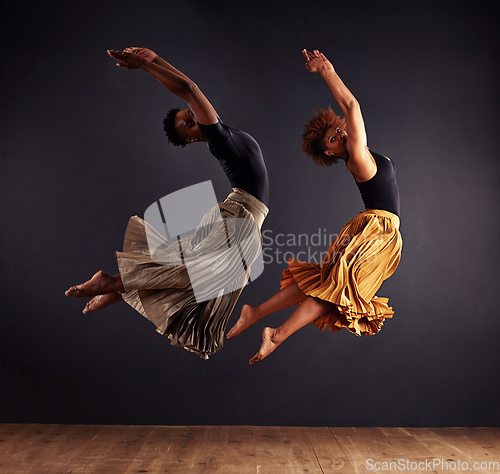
x: 359, y: 163
x: 171, y: 78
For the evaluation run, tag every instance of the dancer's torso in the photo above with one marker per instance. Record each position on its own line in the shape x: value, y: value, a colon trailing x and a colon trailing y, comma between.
x: 381, y: 191
x: 240, y: 157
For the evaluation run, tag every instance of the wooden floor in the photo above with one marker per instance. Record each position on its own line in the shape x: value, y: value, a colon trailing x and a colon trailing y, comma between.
x: 31, y: 448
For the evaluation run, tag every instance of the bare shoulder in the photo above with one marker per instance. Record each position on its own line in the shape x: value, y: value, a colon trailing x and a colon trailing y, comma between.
x: 362, y: 166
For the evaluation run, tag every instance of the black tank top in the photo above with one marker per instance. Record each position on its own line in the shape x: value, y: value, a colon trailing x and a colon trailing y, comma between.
x: 381, y: 191
x: 240, y: 157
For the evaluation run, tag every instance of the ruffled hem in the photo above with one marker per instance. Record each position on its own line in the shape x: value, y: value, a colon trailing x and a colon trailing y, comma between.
x: 366, y: 252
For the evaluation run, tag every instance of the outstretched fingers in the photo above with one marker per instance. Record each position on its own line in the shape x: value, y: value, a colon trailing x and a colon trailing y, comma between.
x: 308, y: 57
x: 115, y: 54
x: 315, y: 54
x: 118, y: 55
x: 133, y: 49
x: 121, y: 57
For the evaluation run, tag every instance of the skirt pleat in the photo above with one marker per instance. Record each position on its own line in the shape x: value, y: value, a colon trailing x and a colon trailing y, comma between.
x: 162, y: 290
x: 365, y: 253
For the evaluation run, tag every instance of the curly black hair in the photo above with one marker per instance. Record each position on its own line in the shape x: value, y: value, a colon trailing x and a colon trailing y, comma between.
x: 314, y: 135
x: 169, y: 127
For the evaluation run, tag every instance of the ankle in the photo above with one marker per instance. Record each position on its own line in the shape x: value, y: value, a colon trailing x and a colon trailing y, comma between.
x: 277, y: 336
x: 115, y: 284
x: 258, y: 314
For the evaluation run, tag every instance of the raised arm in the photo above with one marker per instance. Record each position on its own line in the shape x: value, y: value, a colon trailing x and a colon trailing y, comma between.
x: 359, y: 163
x: 171, y: 78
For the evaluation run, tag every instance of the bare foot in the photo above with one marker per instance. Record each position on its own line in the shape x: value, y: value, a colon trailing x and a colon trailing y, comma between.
x: 99, y: 284
x: 247, y: 317
x: 101, y: 301
x: 268, y: 345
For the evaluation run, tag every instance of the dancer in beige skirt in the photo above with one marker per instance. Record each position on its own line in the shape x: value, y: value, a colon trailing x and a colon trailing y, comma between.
x: 157, y: 284
x: 340, y: 292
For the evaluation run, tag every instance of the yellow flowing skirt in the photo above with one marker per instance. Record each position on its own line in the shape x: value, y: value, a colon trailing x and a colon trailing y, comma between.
x: 366, y: 252
x: 164, y: 294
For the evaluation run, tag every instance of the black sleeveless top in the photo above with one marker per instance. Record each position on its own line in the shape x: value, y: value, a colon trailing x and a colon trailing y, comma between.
x: 381, y: 191
x: 240, y: 157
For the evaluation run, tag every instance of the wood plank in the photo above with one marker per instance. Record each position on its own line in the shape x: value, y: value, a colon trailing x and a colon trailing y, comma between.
x: 44, y: 449
x: 34, y: 447
x: 406, y: 445
x: 298, y: 451
x: 10, y: 435
x: 354, y: 451
x: 487, y: 438
x: 240, y: 450
x: 441, y: 449
x: 9, y: 430
x: 469, y: 450
x: 270, y: 457
x: 184, y: 448
x: 367, y: 448
x: 378, y: 443
x: 111, y: 450
x: 328, y: 452
x: 155, y: 452
x: 417, y: 451
x: 210, y: 456
x: 70, y: 445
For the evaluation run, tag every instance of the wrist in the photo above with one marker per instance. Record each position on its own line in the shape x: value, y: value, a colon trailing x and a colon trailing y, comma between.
x: 144, y: 63
x: 327, y: 71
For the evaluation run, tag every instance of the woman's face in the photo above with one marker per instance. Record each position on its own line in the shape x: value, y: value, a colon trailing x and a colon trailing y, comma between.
x: 187, y: 126
x: 335, y: 142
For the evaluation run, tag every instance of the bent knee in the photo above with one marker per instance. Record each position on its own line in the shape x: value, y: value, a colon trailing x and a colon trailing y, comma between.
x: 320, y: 306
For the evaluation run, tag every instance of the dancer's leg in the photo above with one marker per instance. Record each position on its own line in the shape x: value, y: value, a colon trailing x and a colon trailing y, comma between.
x: 307, y: 312
x: 285, y: 298
x: 99, y: 284
x: 102, y: 301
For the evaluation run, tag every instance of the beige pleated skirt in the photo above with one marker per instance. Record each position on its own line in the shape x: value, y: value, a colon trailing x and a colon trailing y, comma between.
x: 366, y: 252
x: 163, y: 293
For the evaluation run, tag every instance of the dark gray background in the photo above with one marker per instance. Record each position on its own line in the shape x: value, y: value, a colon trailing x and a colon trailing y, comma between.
x: 83, y: 149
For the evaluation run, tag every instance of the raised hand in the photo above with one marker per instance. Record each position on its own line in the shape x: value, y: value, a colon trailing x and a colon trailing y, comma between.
x: 317, y: 62
x: 145, y: 53
x: 126, y: 59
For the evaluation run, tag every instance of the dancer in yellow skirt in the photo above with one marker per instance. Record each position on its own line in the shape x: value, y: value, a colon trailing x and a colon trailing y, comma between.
x: 340, y: 292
